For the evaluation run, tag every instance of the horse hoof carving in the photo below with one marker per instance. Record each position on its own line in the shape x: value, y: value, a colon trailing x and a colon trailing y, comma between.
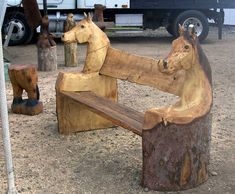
x: 24, y: 77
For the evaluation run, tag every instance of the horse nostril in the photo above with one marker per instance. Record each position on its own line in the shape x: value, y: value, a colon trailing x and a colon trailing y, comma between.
x: 165, y: 64
x: 62, y: 36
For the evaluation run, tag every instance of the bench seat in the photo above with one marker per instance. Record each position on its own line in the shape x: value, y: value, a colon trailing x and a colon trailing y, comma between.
x: 119, y: 114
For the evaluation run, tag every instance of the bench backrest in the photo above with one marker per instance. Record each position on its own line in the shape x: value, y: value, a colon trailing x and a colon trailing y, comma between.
x: 142, y: 70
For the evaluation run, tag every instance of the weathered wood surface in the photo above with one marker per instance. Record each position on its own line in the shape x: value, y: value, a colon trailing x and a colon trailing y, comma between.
x: 75, y: 117
x: 47, y: 59
x: 46, y: 46
x: 24, y: 77
x: 120, y: 115
x: 70, y: 55
x: 176, y: 157
x: 141, y: 70
x: 70, y: 49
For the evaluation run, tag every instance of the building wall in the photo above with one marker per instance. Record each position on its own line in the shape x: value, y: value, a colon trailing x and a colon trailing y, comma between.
x: 229, y: 17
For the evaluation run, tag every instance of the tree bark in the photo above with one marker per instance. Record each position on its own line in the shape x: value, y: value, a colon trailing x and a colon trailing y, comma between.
x: 70, y: 54
x: 176, y: 157
x: 47, y: 59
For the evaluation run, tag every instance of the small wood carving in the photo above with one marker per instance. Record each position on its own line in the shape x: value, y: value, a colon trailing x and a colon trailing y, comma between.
x: 70, y: 49
x: 47, y: 55
x: 98, y: 16
x: 24, y: 77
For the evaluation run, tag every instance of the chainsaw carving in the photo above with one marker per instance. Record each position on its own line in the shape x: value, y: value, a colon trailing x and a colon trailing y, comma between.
x: 195, y: 91
x: 70, y: 49
x: 24, y: 77
x: 98, y: 43
x: 47, y: 57
x: 175, y: 137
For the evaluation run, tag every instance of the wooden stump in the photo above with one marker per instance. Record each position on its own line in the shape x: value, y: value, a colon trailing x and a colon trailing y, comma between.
x: 176, y: 157
x: 47, y: 59
x: 70, y: 54
x: 24, y: 77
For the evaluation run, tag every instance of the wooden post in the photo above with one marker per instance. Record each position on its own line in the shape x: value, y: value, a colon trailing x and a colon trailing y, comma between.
x: 176, y: 157
x: 70, y: 49
x: 24, y: 77
x: 47, y: 55
x: 47, y: 59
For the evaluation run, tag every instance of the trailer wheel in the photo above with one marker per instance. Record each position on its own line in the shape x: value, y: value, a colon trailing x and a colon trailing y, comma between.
x: 197, y: 18
x: 170, y: 30
x: 21, y: 32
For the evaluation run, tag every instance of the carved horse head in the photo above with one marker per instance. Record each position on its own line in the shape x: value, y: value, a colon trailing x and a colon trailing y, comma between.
x: 182, y: 54
x: 82, y: 32
x: 98, y: 42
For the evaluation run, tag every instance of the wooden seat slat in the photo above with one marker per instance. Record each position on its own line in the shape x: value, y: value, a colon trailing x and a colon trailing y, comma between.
x: 119, y: 114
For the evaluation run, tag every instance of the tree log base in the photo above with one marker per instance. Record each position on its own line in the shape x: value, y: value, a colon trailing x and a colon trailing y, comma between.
x: 47, y: 59
x: 70, y: 53
x: 27, y: 107
x: 176, y: 157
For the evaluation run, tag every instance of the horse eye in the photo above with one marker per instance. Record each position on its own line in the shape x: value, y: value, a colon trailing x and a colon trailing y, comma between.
x: 186, y: 46
x: 82, y: 26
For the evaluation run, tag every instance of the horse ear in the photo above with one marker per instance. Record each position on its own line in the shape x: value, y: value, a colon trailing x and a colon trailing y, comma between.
x: 89, y: 16
x: 85, y: 15
x: 181, y: 29
x: 192, y: 32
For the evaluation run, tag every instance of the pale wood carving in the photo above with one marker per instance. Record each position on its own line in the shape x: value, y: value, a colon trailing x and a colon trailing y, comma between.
x: 74, y: 117
x: 70, y: 49
x: 98, y: 43
x: 176, y: 138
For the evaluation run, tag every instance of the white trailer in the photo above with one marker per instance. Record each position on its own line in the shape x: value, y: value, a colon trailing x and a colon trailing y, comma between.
x: 140, y: 13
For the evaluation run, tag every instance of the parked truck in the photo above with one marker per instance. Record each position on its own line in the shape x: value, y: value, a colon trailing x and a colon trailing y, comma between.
x: 144, y: 14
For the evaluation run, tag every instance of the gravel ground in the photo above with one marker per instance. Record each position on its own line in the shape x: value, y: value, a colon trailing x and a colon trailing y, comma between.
x: 110, y: 160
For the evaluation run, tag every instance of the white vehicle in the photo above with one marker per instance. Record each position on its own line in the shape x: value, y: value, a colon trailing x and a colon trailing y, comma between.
x: 139, y: 13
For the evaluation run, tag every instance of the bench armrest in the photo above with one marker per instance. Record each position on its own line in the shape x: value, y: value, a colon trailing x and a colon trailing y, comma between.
x: 80, y: 82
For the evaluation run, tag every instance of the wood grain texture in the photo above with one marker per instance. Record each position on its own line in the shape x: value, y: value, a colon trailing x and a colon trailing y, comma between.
x: 75, y: 117
x: 176, y: 157
x: 47, y: 59
x: 23, y: 77
x: 120, y: 115
x: 70, y: 55
x: 141, y: 70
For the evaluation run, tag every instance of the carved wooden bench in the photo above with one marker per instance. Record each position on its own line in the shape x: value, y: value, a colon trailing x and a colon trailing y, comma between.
x: 175, y: 138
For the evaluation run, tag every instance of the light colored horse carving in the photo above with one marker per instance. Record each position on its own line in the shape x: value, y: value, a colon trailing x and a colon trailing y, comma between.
x: 195, y: 92
x: 98, y: 43
x: 185, y: 72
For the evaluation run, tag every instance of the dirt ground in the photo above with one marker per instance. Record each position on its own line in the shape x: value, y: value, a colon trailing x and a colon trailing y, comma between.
x: 110, y: 160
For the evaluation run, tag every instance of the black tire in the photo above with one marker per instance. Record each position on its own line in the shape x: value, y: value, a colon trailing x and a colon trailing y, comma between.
x: 197, y: 18
x: 22, y: 33
x: 170, y: 30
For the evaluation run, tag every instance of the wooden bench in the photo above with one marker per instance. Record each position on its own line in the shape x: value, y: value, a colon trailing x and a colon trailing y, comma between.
x: 117, y: 113
x: 175, y: 138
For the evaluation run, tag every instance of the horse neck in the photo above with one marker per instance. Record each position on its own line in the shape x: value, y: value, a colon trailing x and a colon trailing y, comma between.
x: 96, y: 51
x: 194, y: 85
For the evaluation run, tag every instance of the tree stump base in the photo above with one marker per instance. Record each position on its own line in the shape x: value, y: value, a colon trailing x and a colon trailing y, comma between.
x: 24, y: 77
x: 70, y: 53
x: 176, y: 157
x: 47, y: 59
